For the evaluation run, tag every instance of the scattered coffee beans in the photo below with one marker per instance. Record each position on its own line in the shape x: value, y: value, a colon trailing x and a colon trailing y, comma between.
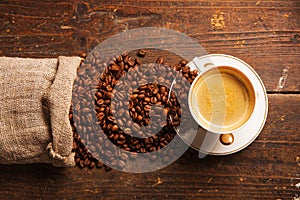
x: 149, y: 99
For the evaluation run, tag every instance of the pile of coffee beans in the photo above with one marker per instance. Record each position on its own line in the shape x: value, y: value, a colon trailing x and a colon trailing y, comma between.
x: 150, y: 103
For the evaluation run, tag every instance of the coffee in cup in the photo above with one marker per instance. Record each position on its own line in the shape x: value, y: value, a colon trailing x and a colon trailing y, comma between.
x: 221, y: 98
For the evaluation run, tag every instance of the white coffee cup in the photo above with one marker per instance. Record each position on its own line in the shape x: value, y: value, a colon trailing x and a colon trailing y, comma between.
x: 222, y: 98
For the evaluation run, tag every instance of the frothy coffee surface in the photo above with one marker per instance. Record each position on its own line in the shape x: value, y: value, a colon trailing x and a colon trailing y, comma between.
x: 224, y: 98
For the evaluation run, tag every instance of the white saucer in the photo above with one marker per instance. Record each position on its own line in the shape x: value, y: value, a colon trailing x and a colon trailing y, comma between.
x: 209, y: 143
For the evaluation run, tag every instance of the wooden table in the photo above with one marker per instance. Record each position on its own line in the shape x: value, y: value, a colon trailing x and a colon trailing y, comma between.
x: 266, y: 34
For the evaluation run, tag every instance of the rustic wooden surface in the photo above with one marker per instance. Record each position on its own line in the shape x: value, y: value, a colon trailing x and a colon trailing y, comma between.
x: 266, y: 34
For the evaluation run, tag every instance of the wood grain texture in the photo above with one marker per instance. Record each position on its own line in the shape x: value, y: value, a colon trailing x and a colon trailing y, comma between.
x: 263, y: 33
x: 266, y: 34
x: 267, y: 169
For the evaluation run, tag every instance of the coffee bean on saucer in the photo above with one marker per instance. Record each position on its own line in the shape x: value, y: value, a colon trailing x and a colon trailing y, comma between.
x: 227, y: 139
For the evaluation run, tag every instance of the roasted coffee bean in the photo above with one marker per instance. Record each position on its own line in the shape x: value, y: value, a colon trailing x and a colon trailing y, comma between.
x: 133, y: 155
x: 165, y: 159
x: 87, y: 162
x: 138, y: 61
x: 81, y: 164
x: 147, y: 99
x: 99, y: 164
x: 127, y: 131
x: 114, y: 67
x: 116, y: 137
x: 160, y: 60
x: 115, y: 128
x: 85, y: 110
x: 130, y: 62
x: 135, y: 127
x: 177, y: 67
x: 92, y: 165
x: 185, y: 69
x: 153, y: 158
x: 147, y: 108
x: 183, y: 62
x: 120, y: 123
x: 141, y: 53
x: 121, y: 164
x: 121, y: 137
x: 119, y: 58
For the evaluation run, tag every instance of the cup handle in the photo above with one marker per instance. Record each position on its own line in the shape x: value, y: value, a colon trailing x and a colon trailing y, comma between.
x: 196, y: 63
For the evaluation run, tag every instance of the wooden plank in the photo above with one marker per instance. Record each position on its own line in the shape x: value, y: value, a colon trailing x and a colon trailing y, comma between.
x: 263, y: 33
x: 267, y: 169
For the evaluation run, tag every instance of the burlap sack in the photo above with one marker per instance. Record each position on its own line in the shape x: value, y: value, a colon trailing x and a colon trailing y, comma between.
x: 35, y: 98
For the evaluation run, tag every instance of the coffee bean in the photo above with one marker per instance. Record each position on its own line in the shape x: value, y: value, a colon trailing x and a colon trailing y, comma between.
x: 85, y: 110
x: 165, y: 159
x: 108, y: 154
x: 160, y: 60
x: 121, y: 164
x: 139, y: 118
x: 147, y: 108
x: 108, y: 95
x: 116, y: 137
x: 91, y: 165
x: 138, y: 110
x: 153, y: 158
x: 121, y: 137
x: 155, y: 91
x: 118, y: 58
x: 141, y: 96
x: 136, y: 127
x: 81, y: 164
x: 147, y: 99
x: 120, y: 123
x: 114, y: 67
x: 141, y: 53
x: 99, y: 164
x: 127, y: 131
x: 115, y: 128
x: 138, y: 61
x: 133, y: 155
x: 183, y: 62
x: 87, y: 162
x: 177, y: 67
x: 130, y: 62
